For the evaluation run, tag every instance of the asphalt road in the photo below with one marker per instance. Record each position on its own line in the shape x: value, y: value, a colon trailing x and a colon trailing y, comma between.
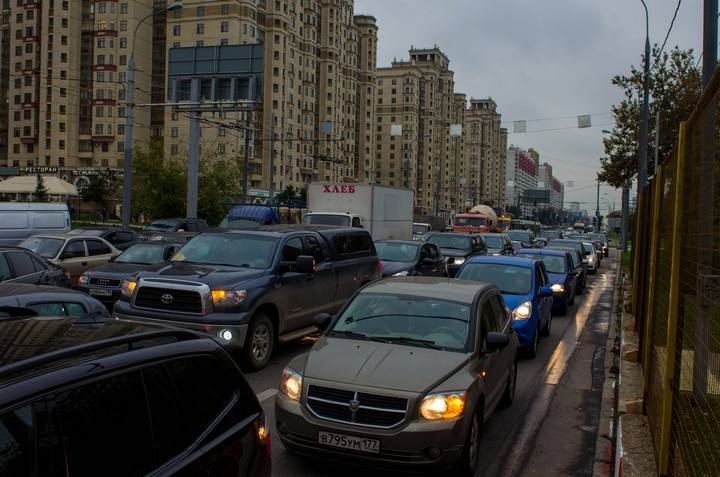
x: 552, y: 425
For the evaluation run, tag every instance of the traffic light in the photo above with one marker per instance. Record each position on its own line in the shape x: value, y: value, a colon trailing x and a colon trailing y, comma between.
x: 594, y: 221
x: 600, y: 220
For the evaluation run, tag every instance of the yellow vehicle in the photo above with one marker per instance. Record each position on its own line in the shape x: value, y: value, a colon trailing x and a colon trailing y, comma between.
x: 504, y: 224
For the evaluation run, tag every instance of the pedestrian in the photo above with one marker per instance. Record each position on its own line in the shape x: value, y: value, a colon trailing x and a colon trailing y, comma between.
x: 104, y: 215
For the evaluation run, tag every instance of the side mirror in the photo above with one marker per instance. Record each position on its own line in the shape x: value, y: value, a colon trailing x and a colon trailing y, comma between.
x: 428, y: 261
x: 495, y: 341
x: 545, y: 291
x: 322, y: 320
x: 305, y: 264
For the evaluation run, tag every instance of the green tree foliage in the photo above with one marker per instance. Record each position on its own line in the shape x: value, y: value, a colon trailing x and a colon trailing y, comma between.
x: 291, y: 195
x: 160, y: 186
x: 41, y: 192
x: 675, y: 88
x: 100, y: 188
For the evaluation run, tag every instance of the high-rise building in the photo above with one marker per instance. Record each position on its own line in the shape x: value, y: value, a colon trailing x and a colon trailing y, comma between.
x: 486, y: 146
x: 547, y: 181
x: 521, y: 175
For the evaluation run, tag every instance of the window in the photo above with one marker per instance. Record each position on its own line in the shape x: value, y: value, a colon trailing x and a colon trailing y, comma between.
x: 224, y: 9
x: 200, y: 29
x: 96, y: 247
x: 123, y: 8
x: 201, y: 11
x: 174, y: 149
x: 292, y: 250
x: 177, y: 31
x: 173, y: 132
x: 224, y: 26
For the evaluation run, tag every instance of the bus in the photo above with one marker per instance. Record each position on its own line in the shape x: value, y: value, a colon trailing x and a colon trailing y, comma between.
x: 504, y: 224
x: 520, y: 224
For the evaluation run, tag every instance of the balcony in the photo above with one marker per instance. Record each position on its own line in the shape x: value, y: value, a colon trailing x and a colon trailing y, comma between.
x: 100, y: 33
x: 29, y: 139
x: 102, y: 138
x: 33, y: 105
x: 103, y: 102
x: 104, y: 67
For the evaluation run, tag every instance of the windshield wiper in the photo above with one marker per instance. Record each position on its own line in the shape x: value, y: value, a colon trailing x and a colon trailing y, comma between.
x: 355, y: 335
x: 409, y: 340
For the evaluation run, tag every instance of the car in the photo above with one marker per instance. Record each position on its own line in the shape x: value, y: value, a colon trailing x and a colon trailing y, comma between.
x: 404, y: 376
x: 420, y: 230
x: 20, y: 265
x: 457, y: 248
x: 498, y: 244
x: 95, y: 396
x: 562, y: 275
x: 47, y: 300
x: 551, y: 233
x: 75, y: 253
x: 410, y: 258
x: 527, y: 237
x: 604, y: 241
x: 104, y: 282
x: 540, y: 242
x: 120, y: 238
x: 593, y: 258
x: 578, y: 264
x: 175, y: 225
x: 577, y: 244
x: 524, y: 285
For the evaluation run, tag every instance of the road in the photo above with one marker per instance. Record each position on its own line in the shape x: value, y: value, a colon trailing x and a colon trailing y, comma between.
x: 552, y: 425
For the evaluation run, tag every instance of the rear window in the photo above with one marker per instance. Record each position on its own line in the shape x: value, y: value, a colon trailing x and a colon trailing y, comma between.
x: 347, y: 244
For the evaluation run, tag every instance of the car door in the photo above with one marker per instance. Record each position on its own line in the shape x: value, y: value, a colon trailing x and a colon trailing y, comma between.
x: 492, y: 363
x: 438, y: 267
x: 297, y: 290
x: 325, y: 278
x: 73, y: 257
x: 25, y: 269
x: 545, y: 302
x: 99, y: 252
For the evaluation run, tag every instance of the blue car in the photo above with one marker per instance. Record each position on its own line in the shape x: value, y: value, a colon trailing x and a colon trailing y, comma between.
x: 523, y: 283
x: 561, y: 274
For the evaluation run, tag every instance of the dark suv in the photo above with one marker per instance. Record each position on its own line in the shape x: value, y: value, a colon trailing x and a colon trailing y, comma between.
x: 87, y: 396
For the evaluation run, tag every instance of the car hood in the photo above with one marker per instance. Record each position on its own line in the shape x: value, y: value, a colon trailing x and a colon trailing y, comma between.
x: 391, y: 268
x: 121, y: 269
x: 382, y: 365
x: 454, y: 252
x: 214, y: 276
x: 557, y: 278
x: 513, y: 301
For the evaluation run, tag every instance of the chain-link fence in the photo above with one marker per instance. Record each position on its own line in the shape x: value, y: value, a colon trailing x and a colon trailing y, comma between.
x: 677, y: 297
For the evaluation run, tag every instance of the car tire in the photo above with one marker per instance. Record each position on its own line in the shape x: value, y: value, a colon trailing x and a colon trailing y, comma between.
x: 468, y: 463
x: 259, y: 342
x: 531, y: 352
x: 548, y: 326
x: 509, y: 392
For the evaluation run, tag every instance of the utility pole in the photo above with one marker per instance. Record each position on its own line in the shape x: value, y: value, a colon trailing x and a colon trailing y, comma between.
x: 642, y: 157
x: 597, y: 206
x: 271, y: 191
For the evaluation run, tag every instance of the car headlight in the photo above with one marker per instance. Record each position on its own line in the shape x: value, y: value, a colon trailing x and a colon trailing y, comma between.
x: 523, y: 311
x: 459, y: 260
x: 83, y: 279
x: 443, y: 405
x: 401, y: 274
x: 591, y: 259
x: 558, y: 287
x: 291, y: 384
x: 228, y: 297
x: 128, y: 286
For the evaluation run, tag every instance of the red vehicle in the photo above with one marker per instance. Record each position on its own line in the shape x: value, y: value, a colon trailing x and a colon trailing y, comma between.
x: 472, y: 222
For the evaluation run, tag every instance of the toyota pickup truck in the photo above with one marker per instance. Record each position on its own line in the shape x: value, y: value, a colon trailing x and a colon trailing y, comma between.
x: 250, y: 288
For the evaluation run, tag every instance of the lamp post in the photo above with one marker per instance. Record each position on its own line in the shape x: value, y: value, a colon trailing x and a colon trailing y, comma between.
x: 127, y: 163
x: 642, y: 157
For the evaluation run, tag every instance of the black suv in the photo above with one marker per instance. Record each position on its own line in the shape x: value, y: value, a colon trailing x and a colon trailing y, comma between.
x: 458, y: 247
x: 174, y: 225
x: 87, y: 396
x: 255, y: 286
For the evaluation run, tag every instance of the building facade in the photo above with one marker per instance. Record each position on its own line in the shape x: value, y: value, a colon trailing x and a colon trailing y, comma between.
x: 486, y: 145
x: 521, y: 173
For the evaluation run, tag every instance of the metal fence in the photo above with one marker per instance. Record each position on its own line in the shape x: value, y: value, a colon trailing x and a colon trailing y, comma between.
x: 676, y: 297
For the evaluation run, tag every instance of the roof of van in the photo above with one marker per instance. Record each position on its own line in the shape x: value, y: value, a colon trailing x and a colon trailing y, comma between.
x: 11, y: 206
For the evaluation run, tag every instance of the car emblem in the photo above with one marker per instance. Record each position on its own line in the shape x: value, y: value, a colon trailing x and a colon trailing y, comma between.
x: 103, y: 281
x: 354, y: 405
x: 166, y: 298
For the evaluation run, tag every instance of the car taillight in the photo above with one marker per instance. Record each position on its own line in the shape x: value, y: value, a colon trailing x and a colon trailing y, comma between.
x: 67, y: 275
x: 379, y: 265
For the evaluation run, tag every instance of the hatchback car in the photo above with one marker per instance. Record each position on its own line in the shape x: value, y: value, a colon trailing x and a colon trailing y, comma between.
x: 96, y: 396
x: 49, y: 300
x: 593, y: 258
x: 457, y: 248
x: 527, y: 237
x: 498, y: 244
x: 121, y: 239
x: 104, y: 282
x: 409, y: 258
x: 75, y: 253
x: 562, y: 275
x: 405, y: 375
x: 20, y: 265
x: 524, y: 285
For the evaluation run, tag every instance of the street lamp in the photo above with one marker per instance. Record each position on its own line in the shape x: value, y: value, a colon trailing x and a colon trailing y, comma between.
x: 642, y: 157
x: 127, y: 165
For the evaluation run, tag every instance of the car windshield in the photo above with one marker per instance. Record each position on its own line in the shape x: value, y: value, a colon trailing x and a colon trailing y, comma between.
x: 510, y: 279
x: 458, y: 242
x: 161, y: 226
x: 519, y: 235
x: 396, y: 252
x: 406, y: 320
x: 419, y: 229
x: 553, y: 263
x: 327, y: 219
x: 145, y: 253
x: 550, y: 234
x: 494, y: 241
x: 234, y: 250
x: 47, y: 247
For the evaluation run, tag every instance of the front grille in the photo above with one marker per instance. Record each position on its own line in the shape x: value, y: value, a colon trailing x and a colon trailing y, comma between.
x: 187, y: 301
x: 104, y: 282
x: 363, y: 409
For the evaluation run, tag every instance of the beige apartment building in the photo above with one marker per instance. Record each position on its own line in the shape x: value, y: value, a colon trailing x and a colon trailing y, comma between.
x: 486, y: 146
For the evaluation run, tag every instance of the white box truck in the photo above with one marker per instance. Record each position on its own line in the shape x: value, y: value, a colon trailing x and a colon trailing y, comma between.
x: 386, y: 212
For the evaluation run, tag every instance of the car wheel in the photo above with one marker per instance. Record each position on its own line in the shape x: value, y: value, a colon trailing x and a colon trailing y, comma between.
x: 548, y: 326
x: 532, y: 351
x: 509, y: 393
x: 468, y: 463
x: 258, y: 342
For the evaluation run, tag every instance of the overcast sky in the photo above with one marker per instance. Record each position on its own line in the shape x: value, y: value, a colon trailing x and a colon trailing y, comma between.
x: 542, y: 61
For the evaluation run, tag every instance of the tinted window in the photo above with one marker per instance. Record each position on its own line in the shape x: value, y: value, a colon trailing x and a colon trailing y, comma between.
x: 17, y: 446
x: 4, y: 268
x: 351, y: 243
x: 75, y: 247
x: 22, y: 263
x: 96, y: 247
x: 123, y: 237
x: 488, y: 323
x: 315, y: 249
x: 105, y: 425
x: 292, y: 249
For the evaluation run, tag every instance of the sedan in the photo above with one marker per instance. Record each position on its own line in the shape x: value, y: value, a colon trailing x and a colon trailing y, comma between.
x: 404, y: 376
x: 457, y: 248
x: 19, y: 265
x: 524, y: 285
x: 50, y: 301
x: 498, y: 244
x: 75, y: 253
x: 562, y: 275
x: 121, y: 239
x: 104, y: 281
x: 593, y: 258
x: 410, y: 258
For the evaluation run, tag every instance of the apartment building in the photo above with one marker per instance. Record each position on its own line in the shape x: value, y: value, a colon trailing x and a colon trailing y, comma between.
x: 486, y: 145
x: 521, y: 174
x: 547, y: 181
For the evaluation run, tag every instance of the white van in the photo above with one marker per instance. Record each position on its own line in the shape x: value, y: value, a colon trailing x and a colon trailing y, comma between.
x: 19, y: 220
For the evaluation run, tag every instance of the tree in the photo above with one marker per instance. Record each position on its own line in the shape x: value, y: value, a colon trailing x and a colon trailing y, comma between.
x: 675, y: 88
x: 41, y: 193
x: 220, y: 182
x: 99, y: 188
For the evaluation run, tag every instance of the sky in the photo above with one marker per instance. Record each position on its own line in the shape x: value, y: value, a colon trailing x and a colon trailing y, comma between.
x: 545, y: 62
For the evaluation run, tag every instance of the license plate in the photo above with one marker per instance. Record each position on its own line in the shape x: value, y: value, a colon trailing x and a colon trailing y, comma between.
x: 361, y: 444
x: 100, y: 292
